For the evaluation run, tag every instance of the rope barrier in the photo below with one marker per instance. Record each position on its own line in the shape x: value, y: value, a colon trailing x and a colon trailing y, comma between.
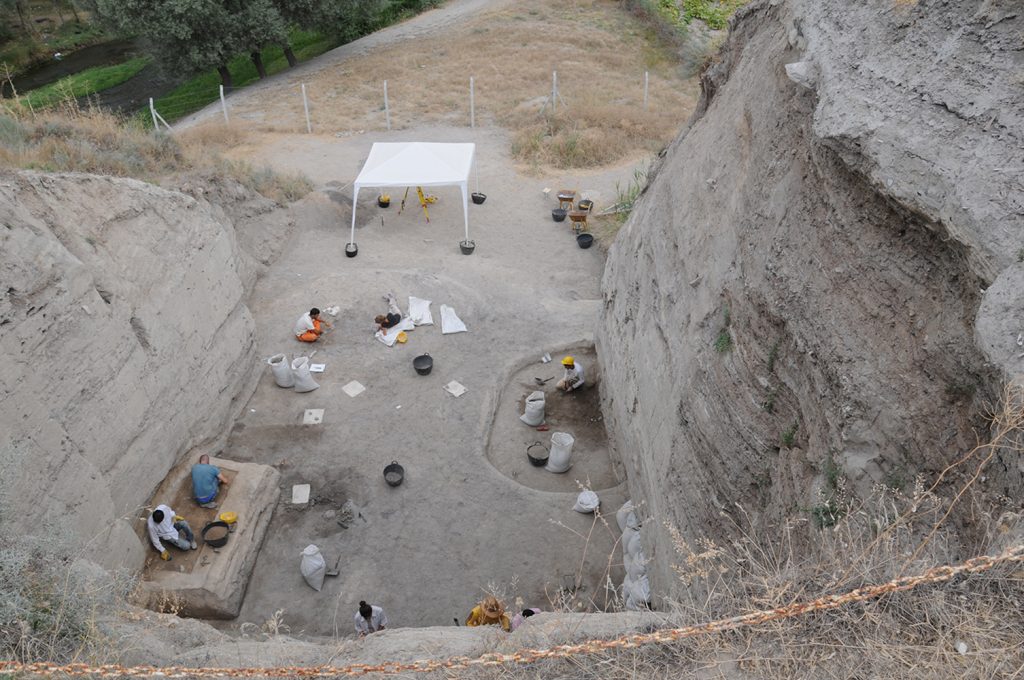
x: 939, y: 574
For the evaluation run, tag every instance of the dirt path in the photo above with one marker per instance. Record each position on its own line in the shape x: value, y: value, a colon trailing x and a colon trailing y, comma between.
x: 423, y: 25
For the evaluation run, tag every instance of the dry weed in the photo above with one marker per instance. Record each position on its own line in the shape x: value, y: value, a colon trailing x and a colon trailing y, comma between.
x: 599, y: 50
x: 97, y: 142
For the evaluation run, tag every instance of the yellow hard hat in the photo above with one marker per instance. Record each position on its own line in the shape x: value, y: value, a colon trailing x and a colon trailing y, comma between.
x: 568, y: 361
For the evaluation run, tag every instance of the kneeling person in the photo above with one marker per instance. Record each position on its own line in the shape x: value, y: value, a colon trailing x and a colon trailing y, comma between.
x: 310, y: 326
x: 206, y: 481
x: 392, y: 318
x: 164, y: 525
x: 573, y: 379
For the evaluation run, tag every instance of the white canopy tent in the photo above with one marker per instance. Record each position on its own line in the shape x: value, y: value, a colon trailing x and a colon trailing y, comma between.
x: 421, y: 164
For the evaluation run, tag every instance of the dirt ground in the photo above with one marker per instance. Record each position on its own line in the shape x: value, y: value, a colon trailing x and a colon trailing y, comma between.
x: 457, y: 526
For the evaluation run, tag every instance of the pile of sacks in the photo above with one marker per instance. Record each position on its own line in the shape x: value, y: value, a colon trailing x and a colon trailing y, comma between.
x: 636, y: 587
x: 295, y: 375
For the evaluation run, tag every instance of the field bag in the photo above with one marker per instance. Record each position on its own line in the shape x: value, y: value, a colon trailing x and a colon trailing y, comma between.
x: 533, y: 414
x: 587, y: 502
x: 313, y: 567
x: 283, y: 375
x: 303, y: 378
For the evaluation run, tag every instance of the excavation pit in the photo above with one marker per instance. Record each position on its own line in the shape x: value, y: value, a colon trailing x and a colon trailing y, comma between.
x: 577, y: 413
x: 209, y: 582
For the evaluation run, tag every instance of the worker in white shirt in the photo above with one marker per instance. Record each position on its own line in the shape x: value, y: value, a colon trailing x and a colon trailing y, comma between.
x: 310, y: 326
x: 370, y: 619
x: 164, y: 525
x: 573, y: 379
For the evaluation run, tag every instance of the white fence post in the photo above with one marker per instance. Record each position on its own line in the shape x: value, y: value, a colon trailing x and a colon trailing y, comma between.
x: 387, y: 108
x: 554, y: 92
x: 223, y: 105
x: 472, y: 106
x: 305, y: 105
x: 645, y: 90
x: 157, y: 118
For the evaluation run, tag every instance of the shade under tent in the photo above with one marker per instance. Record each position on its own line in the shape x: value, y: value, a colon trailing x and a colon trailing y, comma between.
x: 420, y: 164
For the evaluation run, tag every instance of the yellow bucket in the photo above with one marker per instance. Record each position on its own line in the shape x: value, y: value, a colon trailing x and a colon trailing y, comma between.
x: 229, y: 517
x: 402, y: 337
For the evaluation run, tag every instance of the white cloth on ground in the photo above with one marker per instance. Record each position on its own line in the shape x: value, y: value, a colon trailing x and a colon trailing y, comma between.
x: 378, y: 620
x: 391, y: 336
x: 164, y: 529
x: 305, y: 323
x: 419, y: 311
x: 450, y: 321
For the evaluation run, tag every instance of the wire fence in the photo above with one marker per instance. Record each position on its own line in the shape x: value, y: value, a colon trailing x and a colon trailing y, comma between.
x: 934, y: 575
x: 295, y: 106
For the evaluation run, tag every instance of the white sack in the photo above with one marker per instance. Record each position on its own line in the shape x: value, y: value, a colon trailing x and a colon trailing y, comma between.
x: 627, y: 535
x: 282, y: 371
x: 637, y: 593
x: 303, y: 379
x: 313, y: 567
x: 533, y: 414
x: 561, y: 451
x: 626, y: 517
x: 633, y: 547
x: 586, y: 502
x: 450, y: 321
x: 636, y: 567
x: 419, y: 312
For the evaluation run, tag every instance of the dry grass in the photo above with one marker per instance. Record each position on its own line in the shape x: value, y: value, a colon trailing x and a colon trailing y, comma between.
x: 92, y: 141
x: 968, y: 627
x: 598, y: 48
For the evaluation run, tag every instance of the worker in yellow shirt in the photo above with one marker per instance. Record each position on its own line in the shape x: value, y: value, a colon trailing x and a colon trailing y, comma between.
x: 489, y: 612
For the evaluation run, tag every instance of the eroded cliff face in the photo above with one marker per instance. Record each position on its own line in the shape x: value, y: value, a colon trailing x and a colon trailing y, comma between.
x: 845, y: 216
x: 126, y: 341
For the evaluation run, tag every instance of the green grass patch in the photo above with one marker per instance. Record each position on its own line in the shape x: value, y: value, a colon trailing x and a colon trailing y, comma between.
x: 788, y: 437
x: 84, y: 83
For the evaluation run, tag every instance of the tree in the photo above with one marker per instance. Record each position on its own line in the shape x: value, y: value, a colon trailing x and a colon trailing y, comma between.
x: 258, y: 24
x: 186, y: 35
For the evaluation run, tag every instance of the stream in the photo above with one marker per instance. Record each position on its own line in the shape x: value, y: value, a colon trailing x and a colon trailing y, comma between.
x: 128, y: 97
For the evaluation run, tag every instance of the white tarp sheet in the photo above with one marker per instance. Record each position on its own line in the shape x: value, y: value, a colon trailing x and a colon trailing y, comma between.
x: 416, y: 164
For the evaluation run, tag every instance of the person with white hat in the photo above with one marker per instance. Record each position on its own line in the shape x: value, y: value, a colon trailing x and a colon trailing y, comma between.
x: 573, y: 379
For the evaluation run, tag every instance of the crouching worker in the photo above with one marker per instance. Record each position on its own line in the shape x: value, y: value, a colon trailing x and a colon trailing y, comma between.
x: 573, y: 379
x: 391, y: 319
x: 369, y: 619
x: 164, y: 525
x: 489, y: 613
x: 310, y: 326
x: 206, y: 481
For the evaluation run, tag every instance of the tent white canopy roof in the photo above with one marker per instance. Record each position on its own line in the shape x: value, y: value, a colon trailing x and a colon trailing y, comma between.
x: 423, y: 164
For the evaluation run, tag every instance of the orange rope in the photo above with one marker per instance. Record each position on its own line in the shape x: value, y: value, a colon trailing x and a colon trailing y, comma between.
x: 934, y: 575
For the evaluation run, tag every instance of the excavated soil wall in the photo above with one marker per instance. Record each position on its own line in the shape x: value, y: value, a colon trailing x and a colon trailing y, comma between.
x: 796, y: 297
x: 126, y: 342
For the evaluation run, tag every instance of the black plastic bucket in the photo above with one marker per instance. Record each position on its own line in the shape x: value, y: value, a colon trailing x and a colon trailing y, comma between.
x: 351, y: 250
x: 584, y: 240
x: 423, y: 364
x: 478, y: 198
x: 538, y: 454
x: 218, y: 534
x: 558, y: 215
x: 467, y: 247
x: 394, y: 473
